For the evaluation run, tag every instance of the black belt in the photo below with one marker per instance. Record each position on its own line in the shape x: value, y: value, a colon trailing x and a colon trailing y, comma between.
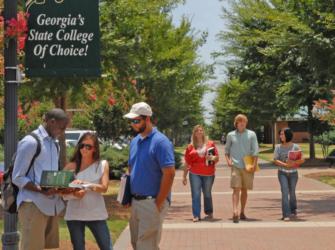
x: 143, y: 197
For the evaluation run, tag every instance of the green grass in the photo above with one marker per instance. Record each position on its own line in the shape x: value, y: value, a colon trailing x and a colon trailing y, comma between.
x: 180, y: 149
x: 113, y: 187
x: 266, y: 151
x: 330, y: 180
x: 115, y: 226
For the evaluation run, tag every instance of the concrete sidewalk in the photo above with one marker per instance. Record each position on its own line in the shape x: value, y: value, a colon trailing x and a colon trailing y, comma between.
x: 314, y: 228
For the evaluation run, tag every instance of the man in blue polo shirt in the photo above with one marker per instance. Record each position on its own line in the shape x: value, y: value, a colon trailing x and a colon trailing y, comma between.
x: 151, y: 163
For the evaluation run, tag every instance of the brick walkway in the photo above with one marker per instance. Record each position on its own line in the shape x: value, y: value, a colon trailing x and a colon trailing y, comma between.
x: 314, y: 228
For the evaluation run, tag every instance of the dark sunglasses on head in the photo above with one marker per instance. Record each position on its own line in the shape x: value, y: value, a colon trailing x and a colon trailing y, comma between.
x: 86, y: 146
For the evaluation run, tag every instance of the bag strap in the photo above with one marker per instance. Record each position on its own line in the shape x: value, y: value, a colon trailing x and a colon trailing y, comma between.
x: 38, y: 151
x: 58, y: 151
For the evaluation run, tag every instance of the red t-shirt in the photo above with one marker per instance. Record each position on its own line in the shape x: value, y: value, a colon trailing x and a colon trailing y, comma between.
x: 197, y: 164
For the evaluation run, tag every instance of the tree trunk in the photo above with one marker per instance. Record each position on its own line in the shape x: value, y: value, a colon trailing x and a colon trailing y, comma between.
x: 311, y: 133
x: 273, y: 134
x: 311, y: 146
x: 60, y: 102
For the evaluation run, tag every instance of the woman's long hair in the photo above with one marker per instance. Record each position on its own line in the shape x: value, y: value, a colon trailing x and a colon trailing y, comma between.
x: 76, y: 158
x: 194, y: 140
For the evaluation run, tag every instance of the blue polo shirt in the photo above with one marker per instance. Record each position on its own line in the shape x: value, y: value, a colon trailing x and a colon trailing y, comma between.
x: 147, y: 157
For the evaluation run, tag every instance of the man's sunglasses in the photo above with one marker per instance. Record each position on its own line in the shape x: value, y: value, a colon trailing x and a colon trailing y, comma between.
x: 86, y: 146
x: 136, y: 121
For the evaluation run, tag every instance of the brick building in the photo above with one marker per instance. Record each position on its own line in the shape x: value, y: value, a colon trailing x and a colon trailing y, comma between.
x: 298, y: 126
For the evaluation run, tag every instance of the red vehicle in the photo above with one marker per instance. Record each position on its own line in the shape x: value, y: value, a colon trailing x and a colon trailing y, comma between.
x: 2, y: 169
x: 1, y: 177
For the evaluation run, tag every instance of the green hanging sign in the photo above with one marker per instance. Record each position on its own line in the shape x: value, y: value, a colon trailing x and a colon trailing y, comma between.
x: 63, y: 38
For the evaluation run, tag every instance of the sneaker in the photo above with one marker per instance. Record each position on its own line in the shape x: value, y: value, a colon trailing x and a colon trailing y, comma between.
x: 236, y: 219
x: 243, y: 217
x: 196, y: 219
x: 209, y: 217
x: 286, y: 219
x: 294, y: 216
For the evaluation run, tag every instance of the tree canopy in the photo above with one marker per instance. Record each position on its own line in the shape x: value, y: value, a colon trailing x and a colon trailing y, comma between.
x: 279, y: 53
x: 144, y: 57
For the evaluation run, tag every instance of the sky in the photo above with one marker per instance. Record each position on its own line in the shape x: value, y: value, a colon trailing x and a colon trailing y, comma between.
x: 205, y: 16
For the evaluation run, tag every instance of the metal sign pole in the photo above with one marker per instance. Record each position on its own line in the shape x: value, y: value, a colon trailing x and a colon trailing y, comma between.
x: 10, y: 238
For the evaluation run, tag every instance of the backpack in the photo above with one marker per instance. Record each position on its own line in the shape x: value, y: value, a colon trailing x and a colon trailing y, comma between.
x: 9, y: 189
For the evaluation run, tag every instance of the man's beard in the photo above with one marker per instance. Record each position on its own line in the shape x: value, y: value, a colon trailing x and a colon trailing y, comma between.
x: 141, y: 129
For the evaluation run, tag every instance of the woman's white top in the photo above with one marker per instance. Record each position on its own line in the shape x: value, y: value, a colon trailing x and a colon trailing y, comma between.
x: 201, y: 150
x: 92, y: 206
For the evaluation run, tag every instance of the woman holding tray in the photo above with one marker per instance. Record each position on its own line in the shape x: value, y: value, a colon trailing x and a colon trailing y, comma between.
x: 86, y: 206
x: 288, y: 157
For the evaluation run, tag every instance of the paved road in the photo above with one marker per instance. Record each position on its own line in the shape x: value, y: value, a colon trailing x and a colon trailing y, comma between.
x: 314, y: 228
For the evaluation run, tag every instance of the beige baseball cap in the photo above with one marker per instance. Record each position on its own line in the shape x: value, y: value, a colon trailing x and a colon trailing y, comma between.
x: 138, y: 109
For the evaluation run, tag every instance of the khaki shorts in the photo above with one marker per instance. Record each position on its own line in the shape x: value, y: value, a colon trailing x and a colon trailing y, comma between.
x: 240, y: 178
x: 38, y: 231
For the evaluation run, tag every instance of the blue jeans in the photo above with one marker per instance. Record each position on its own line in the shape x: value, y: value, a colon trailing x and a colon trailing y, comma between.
x: 288, y: 182
x: 204, y: 183
x: 98, y: 228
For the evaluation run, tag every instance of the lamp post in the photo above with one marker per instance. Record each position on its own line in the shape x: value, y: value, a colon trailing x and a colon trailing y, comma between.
x: 10, y: 238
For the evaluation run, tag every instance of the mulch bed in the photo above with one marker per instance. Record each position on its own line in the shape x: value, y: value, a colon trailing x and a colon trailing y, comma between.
x: 315, y: 163
x: 320, y: 174
x: 114, y: 209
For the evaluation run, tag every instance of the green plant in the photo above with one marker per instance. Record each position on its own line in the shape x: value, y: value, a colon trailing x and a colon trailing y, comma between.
x: 30, y: 116
x: 109, y: 123
x: 326, y: 139
x: 117, y: 159
x: 178, y: 159
x: 69, y: 152
x: 82, y: 120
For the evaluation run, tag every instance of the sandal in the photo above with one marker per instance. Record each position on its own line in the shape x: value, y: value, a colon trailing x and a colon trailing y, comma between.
x: 243, y: 217
x: 235, y: 218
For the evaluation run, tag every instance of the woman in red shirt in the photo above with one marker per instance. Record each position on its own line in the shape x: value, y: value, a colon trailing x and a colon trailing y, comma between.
x: 200, y: 159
